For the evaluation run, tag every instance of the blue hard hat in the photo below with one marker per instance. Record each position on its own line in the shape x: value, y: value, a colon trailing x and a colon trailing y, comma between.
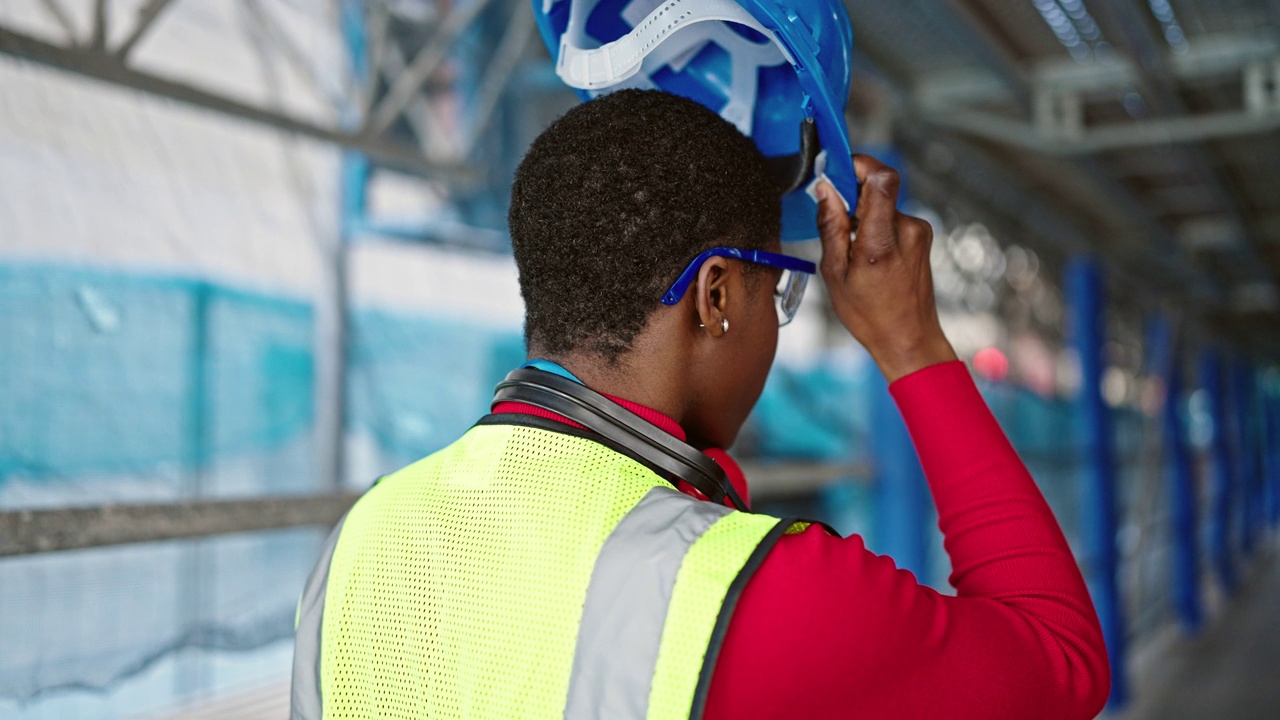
x: 777, y: 69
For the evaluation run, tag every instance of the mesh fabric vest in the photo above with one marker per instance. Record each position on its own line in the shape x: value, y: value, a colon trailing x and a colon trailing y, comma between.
x: 522, y: 572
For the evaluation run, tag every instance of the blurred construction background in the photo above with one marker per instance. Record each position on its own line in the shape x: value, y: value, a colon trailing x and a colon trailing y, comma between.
x: 253, y: 255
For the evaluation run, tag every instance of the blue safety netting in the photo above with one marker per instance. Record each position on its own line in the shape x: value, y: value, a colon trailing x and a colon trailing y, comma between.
x: 126, y: 387
x: 110, y: 374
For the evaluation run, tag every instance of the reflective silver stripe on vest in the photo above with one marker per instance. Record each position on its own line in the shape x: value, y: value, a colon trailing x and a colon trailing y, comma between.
x: 626, y: 606
x: 304, y: 698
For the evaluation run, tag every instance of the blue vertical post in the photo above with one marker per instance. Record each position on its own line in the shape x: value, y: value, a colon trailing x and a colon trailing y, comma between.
x: 1247, y: 406
x: 1221, y: 492
x: 903, y: 507
x: 1086, y: 329
x: 1166, y: 361
x: 1273, y: 455
x: 902, y: 495
x: 1238, y: 422
x: 1271, y: 448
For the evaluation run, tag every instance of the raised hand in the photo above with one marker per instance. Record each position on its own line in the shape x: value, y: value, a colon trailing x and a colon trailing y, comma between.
x: 880, y: 283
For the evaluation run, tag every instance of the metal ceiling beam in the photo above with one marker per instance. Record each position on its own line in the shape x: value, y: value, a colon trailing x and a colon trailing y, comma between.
x: 1108, y: 193
x: 101, y: 65
x: 98, y: 38
x: 270, y: 30
x: 59, y: 15
x: 377, y: 26
x: 408, y: 83
x: 27, y: 532
x: 1210, y: 57
x: 416, y: 113
x: 955, y: 98
x: 1002, y: 85
x: 981, y: 189
x: 991, y: 47
x: 1117, y: 136
x: 497, y: 74
x: 1149, y: 54
x: 999, y: 198
x: 147, y: 15
x: 30, y: 532
x: 1154, y: 262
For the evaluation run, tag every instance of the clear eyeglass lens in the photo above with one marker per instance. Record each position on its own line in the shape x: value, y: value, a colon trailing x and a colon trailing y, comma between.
x: 789, y: 293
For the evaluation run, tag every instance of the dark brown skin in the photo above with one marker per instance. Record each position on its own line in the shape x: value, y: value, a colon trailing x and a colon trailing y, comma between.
x: 685, y: 366
x: 881, y: 286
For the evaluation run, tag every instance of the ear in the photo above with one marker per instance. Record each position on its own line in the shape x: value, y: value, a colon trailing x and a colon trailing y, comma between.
x: 711, y: 294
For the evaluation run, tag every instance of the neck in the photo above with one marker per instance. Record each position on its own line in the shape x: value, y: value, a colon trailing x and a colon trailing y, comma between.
x: 644, y: 375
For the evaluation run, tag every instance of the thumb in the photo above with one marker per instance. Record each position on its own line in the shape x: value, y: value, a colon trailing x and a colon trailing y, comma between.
x: 834, y: 227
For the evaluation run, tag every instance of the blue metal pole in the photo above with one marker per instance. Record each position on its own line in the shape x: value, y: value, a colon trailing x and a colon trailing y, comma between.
x: 1252, y: 429
x: 1166, y: 361
x: 355, y: 166
x: 1086, y: 330
x: 1221, y: 492
x: 1271, y: 443
x: 903, y: 506
x: 1243, y: 458
x: 1266, y: 448
x: 902, y: 495
x: 351, y: 19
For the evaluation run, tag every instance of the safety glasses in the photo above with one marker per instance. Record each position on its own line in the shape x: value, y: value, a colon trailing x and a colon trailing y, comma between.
x: 787, y: 294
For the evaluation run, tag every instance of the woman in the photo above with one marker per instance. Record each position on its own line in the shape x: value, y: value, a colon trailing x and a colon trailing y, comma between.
x: 562, y: 558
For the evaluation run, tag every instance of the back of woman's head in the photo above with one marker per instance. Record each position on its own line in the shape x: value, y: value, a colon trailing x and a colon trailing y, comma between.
x: 612, y: 201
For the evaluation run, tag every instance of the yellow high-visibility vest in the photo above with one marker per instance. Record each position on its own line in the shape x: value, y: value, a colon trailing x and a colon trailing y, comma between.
x: 522, y: 572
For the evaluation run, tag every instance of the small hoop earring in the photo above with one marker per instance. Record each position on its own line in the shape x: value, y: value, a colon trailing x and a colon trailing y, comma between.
x: 724, y: 325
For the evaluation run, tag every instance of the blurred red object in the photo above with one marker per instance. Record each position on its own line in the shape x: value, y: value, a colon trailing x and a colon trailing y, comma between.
x: 991, y: 364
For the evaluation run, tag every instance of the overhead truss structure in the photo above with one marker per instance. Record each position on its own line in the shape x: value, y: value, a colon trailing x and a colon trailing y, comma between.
x: 962, y: 99
x: 1054, y: 113
x: 403, y: 48
x: 1147, y: 143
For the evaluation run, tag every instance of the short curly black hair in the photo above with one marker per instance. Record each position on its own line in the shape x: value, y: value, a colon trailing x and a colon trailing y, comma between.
x: 614, y: 199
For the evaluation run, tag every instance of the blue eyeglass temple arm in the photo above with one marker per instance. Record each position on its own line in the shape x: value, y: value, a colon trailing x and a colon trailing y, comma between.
x: 759, y: 257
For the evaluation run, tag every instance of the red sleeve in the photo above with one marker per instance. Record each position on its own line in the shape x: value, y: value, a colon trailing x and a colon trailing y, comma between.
x: 828, y: 629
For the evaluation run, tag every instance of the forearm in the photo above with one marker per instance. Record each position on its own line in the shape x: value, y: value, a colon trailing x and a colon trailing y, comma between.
x: 828, y: 629
x: 1004, y: 543
x: 989, y: 509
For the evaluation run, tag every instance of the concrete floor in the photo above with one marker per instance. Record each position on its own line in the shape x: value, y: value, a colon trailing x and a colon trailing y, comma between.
x: 1230, y: 672
x: 267, y: 702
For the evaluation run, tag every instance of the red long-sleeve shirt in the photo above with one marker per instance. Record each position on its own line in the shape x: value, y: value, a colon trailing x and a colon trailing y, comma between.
x: 828, y: 629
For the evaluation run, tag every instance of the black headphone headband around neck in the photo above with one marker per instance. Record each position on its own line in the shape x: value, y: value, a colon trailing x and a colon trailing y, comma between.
x: 601, y: 415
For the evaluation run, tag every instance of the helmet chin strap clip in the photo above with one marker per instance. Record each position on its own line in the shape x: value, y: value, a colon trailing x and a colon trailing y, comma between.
x: 792, y: 172
x: 641, y: 439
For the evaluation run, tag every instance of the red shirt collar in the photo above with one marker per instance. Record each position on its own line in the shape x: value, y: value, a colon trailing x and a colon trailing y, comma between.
x: 657, y: 419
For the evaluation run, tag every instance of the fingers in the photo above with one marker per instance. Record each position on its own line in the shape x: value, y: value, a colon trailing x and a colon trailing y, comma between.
x: 882, y: 230
x: 913, y: 232
x: 880, y: 285
x: 877, y: 209
x: 833, y: 227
